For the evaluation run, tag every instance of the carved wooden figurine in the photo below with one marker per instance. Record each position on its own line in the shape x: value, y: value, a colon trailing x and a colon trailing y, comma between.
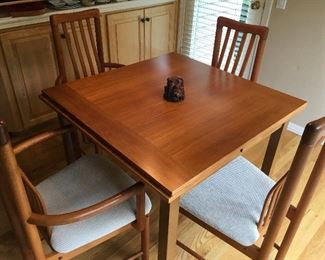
x: 174, y: 91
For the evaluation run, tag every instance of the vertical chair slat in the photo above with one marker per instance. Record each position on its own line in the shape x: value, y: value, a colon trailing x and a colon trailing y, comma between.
x: 247, y: 55
x: 99, y: 40
x: 278, y: 196
x: 271, y: 205
x: 140, y: 210
x: 216, y: 48
x: 85, y: 43
x: 271, y: 201
x: 77, y: 44
x: 59, y: 53
x: 93, y: 43
x: 258, y: 59
x: 242, y: 44
x: 261, y: 222
x: 230, y: 54
x: 224, y: 47
x: 70, y: 49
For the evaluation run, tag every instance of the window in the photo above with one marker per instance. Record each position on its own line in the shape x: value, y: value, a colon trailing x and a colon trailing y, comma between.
x: 200, y: 18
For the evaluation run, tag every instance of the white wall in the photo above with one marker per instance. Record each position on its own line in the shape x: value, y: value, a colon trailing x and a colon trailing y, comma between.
x: 294, y: 60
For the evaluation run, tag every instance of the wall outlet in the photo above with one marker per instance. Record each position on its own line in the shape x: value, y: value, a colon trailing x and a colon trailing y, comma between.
x: 281, y: 4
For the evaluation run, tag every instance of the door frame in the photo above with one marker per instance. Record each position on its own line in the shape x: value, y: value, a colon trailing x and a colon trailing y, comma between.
x: 265, y: 19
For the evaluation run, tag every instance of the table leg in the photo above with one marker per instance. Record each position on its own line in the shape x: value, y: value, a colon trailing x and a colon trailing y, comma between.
x: 70, y: 142
x: 271, y: 150
x: 168, y: 222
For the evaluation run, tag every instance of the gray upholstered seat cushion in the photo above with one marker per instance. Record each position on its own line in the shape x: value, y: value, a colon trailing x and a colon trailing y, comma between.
x: 87, y: 181
x: 231, y: 200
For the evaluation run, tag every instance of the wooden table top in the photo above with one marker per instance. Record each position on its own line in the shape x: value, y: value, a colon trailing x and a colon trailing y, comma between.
x: 173, y: 146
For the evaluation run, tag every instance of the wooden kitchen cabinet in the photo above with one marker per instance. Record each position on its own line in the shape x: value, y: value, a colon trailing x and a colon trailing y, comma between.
x: 28, y: 60
x: 126, y: 36
x: 159, y: 30
x: 142, y: 34
x: 31, y: 67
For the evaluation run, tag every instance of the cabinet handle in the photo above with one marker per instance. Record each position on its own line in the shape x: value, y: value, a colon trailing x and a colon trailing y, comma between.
x: 142, y: 20
x: 62, y: 35
x: 148, y: 19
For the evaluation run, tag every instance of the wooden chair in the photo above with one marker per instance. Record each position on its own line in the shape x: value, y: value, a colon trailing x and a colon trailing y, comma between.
x: 78, y: 43
x: 75, y: 32
x: 239, y: 203
x: 234, y: 55
x: 86, y: 203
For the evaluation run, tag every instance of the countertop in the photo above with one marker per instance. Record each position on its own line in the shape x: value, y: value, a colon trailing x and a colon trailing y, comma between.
x: 11, y: 22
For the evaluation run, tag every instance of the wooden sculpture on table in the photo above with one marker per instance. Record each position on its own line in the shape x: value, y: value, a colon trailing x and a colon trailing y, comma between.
x: 174, y: 90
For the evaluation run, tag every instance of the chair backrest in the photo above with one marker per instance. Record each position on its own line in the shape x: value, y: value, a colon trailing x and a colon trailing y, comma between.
x: 78, y: 43
x: 278, y: 202
x: 233, y: 50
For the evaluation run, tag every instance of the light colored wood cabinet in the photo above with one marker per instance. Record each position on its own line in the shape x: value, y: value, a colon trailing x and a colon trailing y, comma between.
x: 159, y: 30
x: 28, y: 62
x: 126, y: 37
x: 30, y: 59
x: 28, y: 65
x: 141, y: 34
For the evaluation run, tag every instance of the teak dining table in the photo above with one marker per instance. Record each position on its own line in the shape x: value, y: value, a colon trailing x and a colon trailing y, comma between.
x: 172, y: 147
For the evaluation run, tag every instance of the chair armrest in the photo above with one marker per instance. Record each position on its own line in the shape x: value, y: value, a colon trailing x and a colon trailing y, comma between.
x: 113, y: 65
x: 41, y: 138
x: 66, y: 218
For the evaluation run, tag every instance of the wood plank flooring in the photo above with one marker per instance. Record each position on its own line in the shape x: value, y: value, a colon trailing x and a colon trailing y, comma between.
x: 309, y: 242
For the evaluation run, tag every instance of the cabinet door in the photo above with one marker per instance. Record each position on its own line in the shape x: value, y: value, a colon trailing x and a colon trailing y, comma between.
x: 29, y: 55
x: 9, y: 111
x: 126, y: 37
x: 159, y: 30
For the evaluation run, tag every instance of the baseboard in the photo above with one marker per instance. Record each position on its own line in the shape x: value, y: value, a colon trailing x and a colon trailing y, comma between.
x: 297, y: 129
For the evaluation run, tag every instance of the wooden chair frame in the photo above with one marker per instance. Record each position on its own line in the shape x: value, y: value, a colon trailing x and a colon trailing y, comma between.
x: 27, y: 211
x: 95, y: 48
x: 219, y: 53
x: 277, y: 205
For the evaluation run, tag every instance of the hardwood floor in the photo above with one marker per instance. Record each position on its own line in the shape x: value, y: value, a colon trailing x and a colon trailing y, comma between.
x: 309, y: 242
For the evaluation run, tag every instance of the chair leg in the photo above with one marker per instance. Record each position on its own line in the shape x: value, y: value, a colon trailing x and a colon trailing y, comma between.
x: 145, y: 239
